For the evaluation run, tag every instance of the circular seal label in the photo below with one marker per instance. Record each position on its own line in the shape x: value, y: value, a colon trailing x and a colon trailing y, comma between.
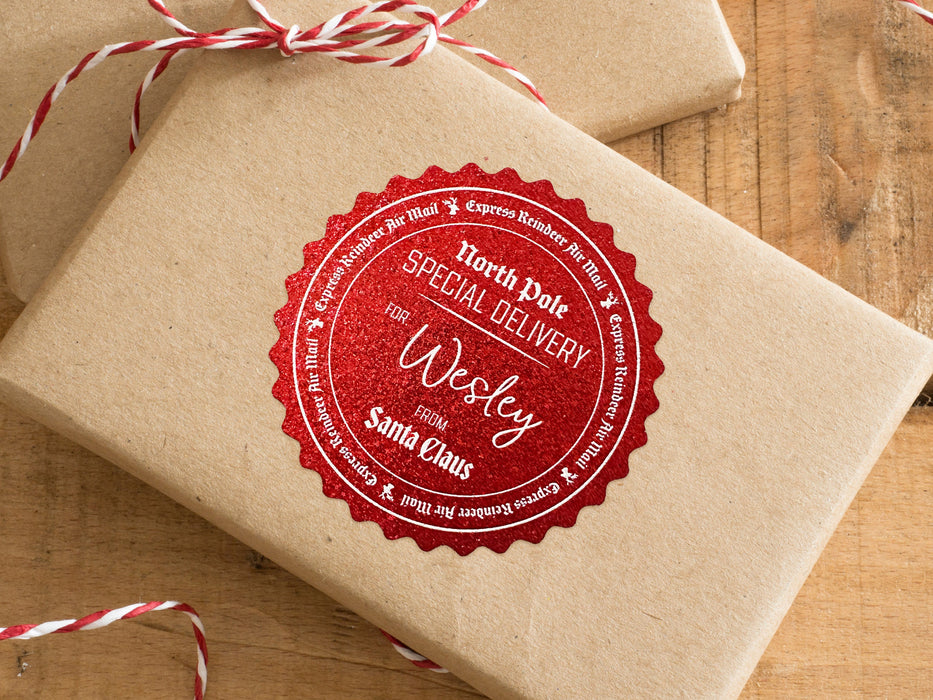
x: 466, y: 359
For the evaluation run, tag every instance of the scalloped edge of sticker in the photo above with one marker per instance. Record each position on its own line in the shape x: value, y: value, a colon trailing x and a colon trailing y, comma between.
x: 602, y: 236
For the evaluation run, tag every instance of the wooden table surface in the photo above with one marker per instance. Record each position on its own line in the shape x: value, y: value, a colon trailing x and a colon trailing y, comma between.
x: 826, y: 156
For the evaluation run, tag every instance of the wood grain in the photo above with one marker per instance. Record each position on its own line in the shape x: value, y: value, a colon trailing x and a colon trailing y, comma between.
x: 825, y: 156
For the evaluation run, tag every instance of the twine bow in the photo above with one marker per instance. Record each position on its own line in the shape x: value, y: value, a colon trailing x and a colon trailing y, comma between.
x: 345, y: 37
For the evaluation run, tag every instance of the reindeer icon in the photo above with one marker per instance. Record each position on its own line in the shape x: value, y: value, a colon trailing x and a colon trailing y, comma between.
x: 568, y: 477
x: 452, y: 205
x: 609, y: 301
x: 386, y: 494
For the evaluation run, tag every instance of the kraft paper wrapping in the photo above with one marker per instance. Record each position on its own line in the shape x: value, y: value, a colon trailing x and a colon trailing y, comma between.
x: 54, y: 189
x: 149, y: 345
x: 589, y: 58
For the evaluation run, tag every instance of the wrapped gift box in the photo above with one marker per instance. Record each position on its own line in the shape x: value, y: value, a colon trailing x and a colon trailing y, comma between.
x: 589, y: 58
x: 149, y: 344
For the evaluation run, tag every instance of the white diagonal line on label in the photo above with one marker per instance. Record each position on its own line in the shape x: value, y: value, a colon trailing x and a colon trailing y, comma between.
x: 483, y: 330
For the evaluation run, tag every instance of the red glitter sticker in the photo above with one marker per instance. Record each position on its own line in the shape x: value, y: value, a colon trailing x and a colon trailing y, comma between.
x: 466, y: 359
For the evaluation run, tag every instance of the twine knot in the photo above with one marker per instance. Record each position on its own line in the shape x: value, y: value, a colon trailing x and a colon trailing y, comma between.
x: 346, y: 37
x: 286, y: 48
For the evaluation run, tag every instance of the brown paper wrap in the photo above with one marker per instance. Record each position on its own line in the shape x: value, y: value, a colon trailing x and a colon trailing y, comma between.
x: 55, y: 187
x: 613, y: 68
x: 149, y: 345
x: 689, y: 55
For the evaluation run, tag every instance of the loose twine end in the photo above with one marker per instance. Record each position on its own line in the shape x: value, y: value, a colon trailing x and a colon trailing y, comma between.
x: 102, y: 618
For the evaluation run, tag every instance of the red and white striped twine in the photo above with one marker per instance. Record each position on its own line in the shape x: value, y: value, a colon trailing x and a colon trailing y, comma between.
x: 102, y: 618
x: 339, y: 37
x: 413, y: 656
x: 915, y: 6
x: 105, y: 617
